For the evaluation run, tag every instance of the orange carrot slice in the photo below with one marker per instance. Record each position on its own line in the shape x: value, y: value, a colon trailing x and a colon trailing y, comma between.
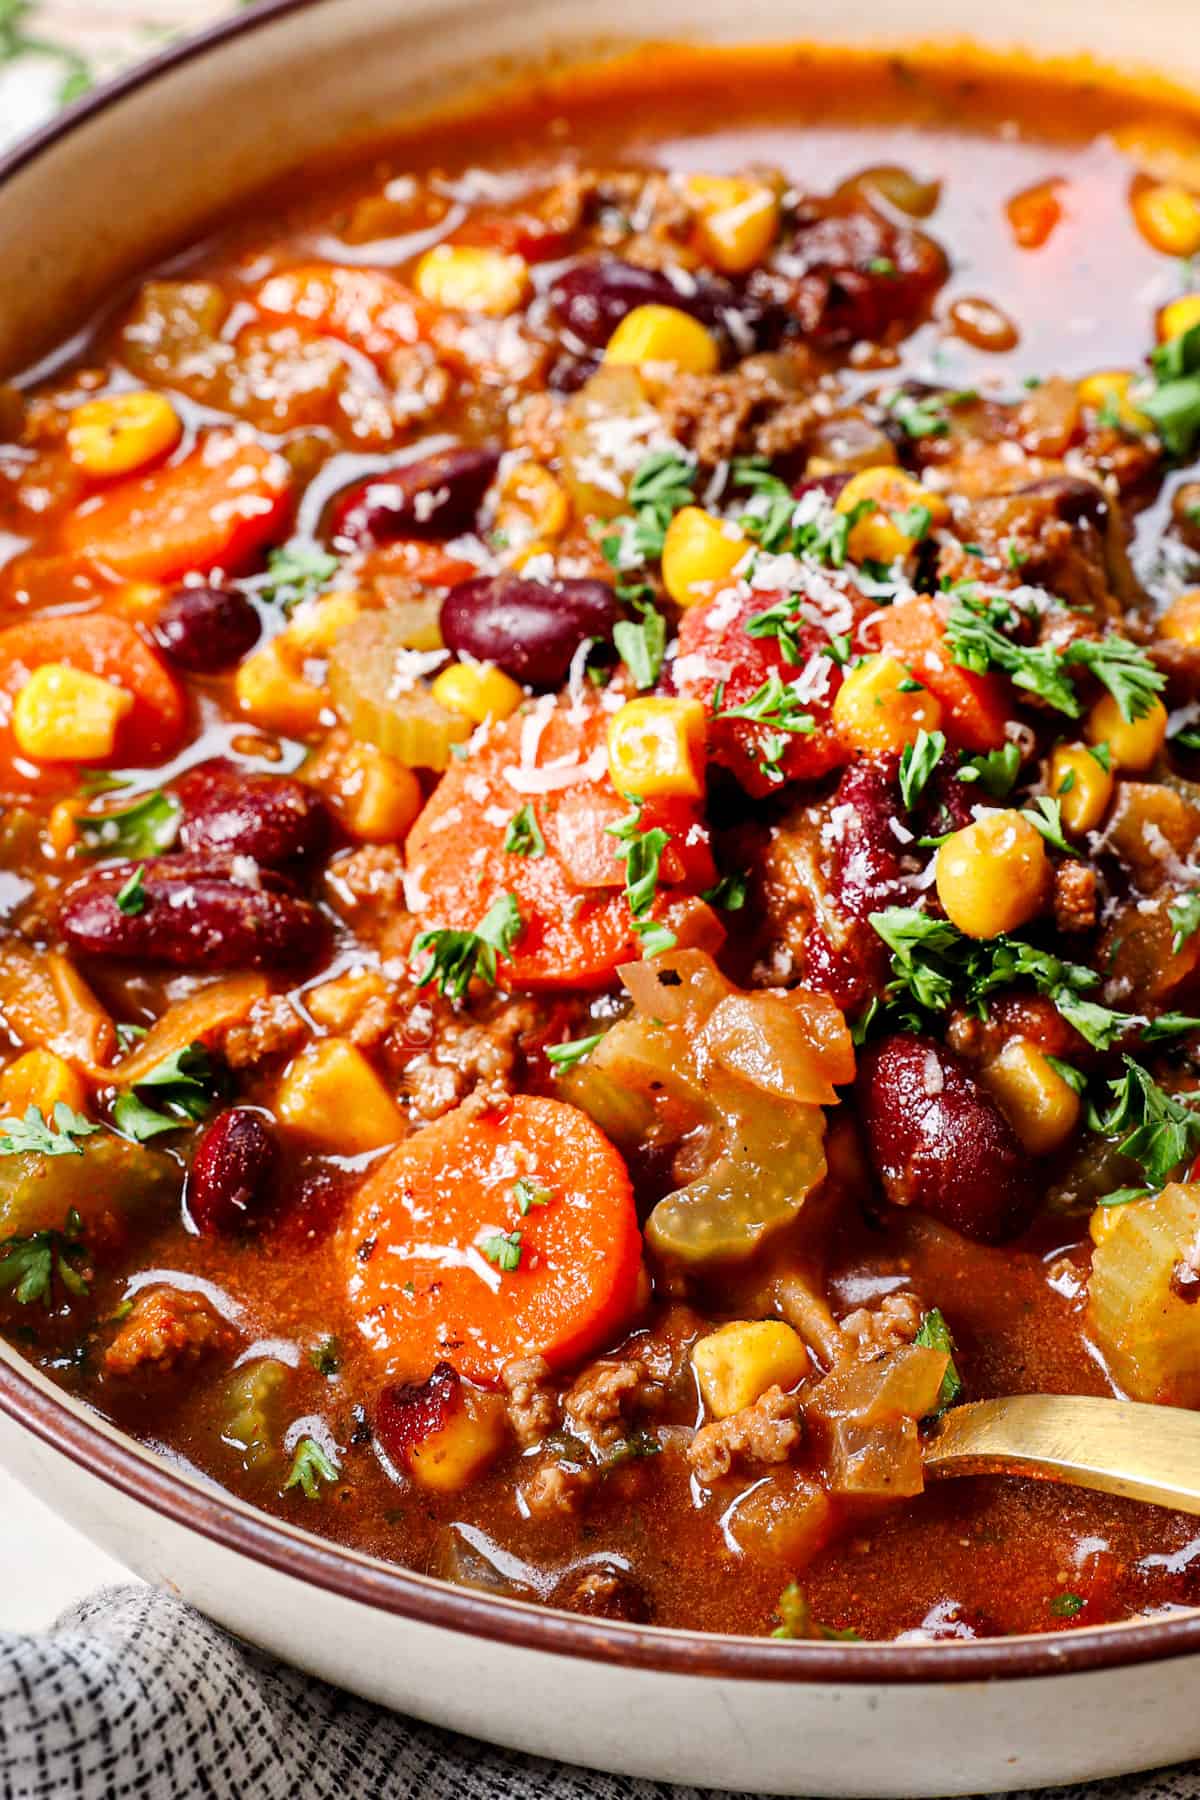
x: 977, y: 708
x: 364, y: 307
x: 443, y: 1265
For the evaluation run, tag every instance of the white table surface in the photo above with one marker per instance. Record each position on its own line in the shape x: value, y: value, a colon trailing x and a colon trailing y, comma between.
x: 47, y: 1565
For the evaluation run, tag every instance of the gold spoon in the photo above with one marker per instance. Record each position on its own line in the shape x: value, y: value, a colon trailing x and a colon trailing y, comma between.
x: 1142, y: 1452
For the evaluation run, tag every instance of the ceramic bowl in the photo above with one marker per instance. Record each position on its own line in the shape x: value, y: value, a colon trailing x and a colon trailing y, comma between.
x: 119, y: 178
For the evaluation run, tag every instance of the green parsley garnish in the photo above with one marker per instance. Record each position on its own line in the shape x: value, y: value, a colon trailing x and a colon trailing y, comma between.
x: 503, y: 1249
x: 456, y: 958
x: 297, y: 572
x: 183, y: 1087
x: 1184, y: 915
x: 1067, y: 1606
x: 917, y: 763
x: 146, y: 828
x: 528, y: 1193
x: 310, y: 1467
x: 1161, y: 1129
x: 641, y: 644
x: 730, y: 892
x: 796, y: 1619
x: 641, y: 852
x: 131, y: 898
x: 32, y: 1136
x: 662, y: 486
x: 565, y: 1056
x: 996, y: 771
x: 28, y: 1265
x: 934, y: 1334
x: 778, y: 708
x: 1045, y: 815
x: 325, y: 1357
x: 523, y: 836
x: 1173, y: 402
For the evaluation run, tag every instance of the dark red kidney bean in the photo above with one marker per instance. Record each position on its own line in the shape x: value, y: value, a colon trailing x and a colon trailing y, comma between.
x: 1072, y: 499
x: 530, y: 629
x: 206, y: 629
x: 229, y: 1185
x: 939, y: 1142
x: 848, y: 272
x: 229, y: 811
x: 605, y: 1591
x: 408, y: 1412
x: 591, y: 299
x: 437, y: 496
x: 195, y: 915
x: 829, y: 485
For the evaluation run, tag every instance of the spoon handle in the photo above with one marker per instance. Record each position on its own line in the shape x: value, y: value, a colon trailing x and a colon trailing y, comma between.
x: 1142, y: 1452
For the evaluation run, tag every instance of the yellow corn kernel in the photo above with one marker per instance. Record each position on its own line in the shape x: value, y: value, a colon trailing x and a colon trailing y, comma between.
x: 737, y: 1363
x: 453, y: 1456
x: 336, y: 1004
x: 656, y: 746
x: 62, y: 832
x: 477, y: 690
x: 1042, y: 1108
x: 737, y: 219
x: 1107, y: 392
x: 878, y: 709
x: 472, y: 278
x: 41, y: 1079
x: 994, y: 875
x: 317, y: 624
x: 1168, y: 217
x: 68, y: 715
x: 663, y: 336
x: 122, y: 432
x: 1178, y: 316
x: 1082, y: 786
x: 331, y: 1095
x: 138, y: 601
x: 699, y: 555
x: 271, y: 690
x: 532, y: 507
x: 375, y: 797
x: 1181, y: 620
x: 896, y: 522
x: 1133, y: 743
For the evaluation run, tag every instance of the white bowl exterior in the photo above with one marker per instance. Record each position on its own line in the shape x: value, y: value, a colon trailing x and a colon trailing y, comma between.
x: 139, y: 175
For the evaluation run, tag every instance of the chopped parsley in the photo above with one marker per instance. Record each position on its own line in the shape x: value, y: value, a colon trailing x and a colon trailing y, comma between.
x: 917, y: 763
x: 730, y: 892
x: 456, y: 958
x: 934, y: 1334
x: 297, y: 572
x: 641, y: 644
x: 1067, y: 1606
x: 663, y: 485
x: 996, y: 771
x: 1173, y: 401
x: 780, y: 710
x: 575, y: 1050
x: 503, y: 1249
x: 325, y: 1357
x: 131, y: 898
x: 913, y: 522
x: 528, y: 1193
x: 1045, y: 815
x: 976, y: 636
x: 31, y: 1135
x: 28, y: 1265
x: 1124, y: 669
x: 182, y: 1088
x: 780, y: 524
x: 311, y: 1465
x: 926, y: 417
x: 1161, y: 1129
x: 146, y: 828
x: 1184, y: 915
x: 641, y: 852
x: 523, y: 836
x: 796, y: 1619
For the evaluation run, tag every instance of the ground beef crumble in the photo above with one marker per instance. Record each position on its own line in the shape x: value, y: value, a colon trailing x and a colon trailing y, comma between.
x: 766, y: 1432
x: 165, y: 1330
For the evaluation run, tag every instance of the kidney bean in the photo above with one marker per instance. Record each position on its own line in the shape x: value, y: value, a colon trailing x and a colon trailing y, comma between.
x: 195, y: 915
x: 435, y: 497
x: 206, y: 629
x: 530, y: 629
x: 605, y: 1590
x: 229, y: 811
x: 829, y: 485
x: 939, y: 1142
x: 230, y: 1179
x: 1073, y: 500
x: 849, y: 273
x: 408, y: 1412
x: 591, y: 299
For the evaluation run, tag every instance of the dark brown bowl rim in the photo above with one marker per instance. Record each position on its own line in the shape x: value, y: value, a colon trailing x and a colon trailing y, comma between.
x: 152, y: 1482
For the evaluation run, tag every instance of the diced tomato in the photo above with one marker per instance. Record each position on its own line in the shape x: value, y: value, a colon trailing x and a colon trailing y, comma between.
x: 977, y: 706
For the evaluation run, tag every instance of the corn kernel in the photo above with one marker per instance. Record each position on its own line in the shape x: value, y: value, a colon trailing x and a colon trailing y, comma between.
x: 472, y: 278
x: 1107, y: 392
x: 878, y: 709
x: 478, y: 690
x: 331, y: 1095
x: 1081, y: 785
x: 656, y: 746
x: 375, y: 797
x: 737, y: 1363
x: 532, y: 506
x: 1042, y: 1108
x: 1181, y: 620
x: 737, y: 219
x: 1133, y: 743
x: 699, y: 555
x: 62, y: 831
x: 68, y: 715
x: 1168, y: 217
x: 122, y: 432
x: 271, y: 691
x: 665, y: 336
x: 316, y: 625
x: 993, y: 876
x: 452, y: 1457
x: 1178, y: 316
x: 897, y: 520
x: 41, y: 1079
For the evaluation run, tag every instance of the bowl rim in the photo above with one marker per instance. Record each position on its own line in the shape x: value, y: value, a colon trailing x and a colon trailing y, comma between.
x: 145, y: 1477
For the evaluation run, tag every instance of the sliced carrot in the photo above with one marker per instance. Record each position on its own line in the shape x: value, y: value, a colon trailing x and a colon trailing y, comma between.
x: 576, y: 924
x: 104, y: 646
x: 976, y: 706
x: 434, y: 1225
x: 1035, y: 213
x: 215, y: 508
x: 364, y: 307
